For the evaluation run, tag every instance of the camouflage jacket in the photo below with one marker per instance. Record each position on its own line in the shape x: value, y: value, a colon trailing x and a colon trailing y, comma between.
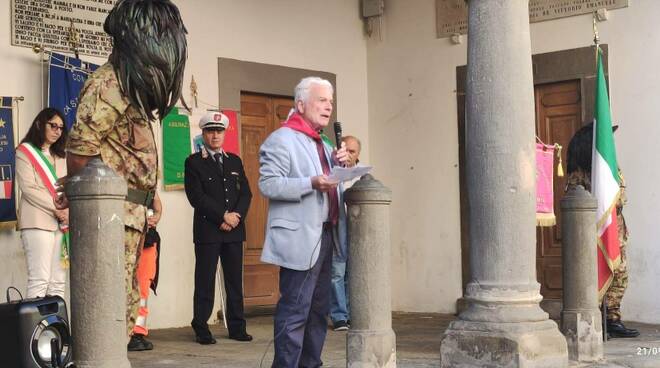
x: 109, y: 126
x: 580, y: 177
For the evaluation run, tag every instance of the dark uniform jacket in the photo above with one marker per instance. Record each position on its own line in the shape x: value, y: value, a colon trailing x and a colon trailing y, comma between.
x: 212, y: 193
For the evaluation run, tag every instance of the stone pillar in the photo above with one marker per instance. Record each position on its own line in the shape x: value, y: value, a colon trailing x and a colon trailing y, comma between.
x: 580, y: 317
x: 371, y: 342
x: 98, y: 292
x: 503, y: 325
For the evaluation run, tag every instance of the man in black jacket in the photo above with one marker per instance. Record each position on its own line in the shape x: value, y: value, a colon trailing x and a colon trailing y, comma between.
x: 219, y: 192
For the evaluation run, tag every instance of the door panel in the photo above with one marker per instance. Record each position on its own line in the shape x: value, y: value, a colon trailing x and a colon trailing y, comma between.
x: 260, y: 115
x: 558, y: 117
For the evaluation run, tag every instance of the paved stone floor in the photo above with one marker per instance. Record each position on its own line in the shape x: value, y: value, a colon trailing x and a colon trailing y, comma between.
x: 418, y: 345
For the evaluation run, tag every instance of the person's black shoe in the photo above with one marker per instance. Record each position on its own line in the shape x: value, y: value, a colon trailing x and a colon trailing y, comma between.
x: 243, y: 336
x: 341, y: 326
x: 205, y: 340
x: 617, y: 329
x: 139, y: 343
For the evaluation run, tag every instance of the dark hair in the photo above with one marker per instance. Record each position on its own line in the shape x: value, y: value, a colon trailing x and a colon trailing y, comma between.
x: 579, y: 150
x: 149, y: 53
x: 36, y: 135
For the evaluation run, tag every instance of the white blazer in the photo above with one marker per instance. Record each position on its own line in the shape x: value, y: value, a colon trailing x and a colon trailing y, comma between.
x: 296, y: 212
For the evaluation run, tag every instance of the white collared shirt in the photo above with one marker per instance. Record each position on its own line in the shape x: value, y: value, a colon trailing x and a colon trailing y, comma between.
x: 212, y: 153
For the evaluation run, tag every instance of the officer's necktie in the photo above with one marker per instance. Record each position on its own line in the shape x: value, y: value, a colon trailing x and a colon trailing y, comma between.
x: 218, y: 160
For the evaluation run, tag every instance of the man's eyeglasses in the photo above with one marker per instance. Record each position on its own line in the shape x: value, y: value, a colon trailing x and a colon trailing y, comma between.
x: 55, y: 126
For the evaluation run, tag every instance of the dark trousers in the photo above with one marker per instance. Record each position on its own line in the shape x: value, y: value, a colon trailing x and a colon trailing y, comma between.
x: 300, y: 317
x: 206, y: 264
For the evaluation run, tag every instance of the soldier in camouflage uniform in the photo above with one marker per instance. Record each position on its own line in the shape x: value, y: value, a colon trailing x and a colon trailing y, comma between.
x: 579, y: 173
x: 109, y: 127
x: 116, y: 110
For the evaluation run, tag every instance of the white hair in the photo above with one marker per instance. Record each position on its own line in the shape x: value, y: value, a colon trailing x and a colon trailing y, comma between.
x: 305, y: 84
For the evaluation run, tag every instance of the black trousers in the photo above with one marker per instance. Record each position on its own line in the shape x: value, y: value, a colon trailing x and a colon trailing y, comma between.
x: 206, y: 265
x: 300, y: 317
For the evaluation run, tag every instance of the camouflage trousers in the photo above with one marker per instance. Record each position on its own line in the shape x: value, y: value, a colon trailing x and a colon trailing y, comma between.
x: 618, y: 287
x: 132, y: 249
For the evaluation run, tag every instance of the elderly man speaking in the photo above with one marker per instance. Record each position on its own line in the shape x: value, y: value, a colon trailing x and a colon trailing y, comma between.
x: 303, y: 208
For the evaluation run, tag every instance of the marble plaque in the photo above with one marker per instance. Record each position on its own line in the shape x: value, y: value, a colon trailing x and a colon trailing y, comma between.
x: 451, y: 15
x: 47, y: 23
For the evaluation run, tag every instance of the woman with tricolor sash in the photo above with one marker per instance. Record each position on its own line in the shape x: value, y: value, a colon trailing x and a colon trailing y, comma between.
x: 44, y: 229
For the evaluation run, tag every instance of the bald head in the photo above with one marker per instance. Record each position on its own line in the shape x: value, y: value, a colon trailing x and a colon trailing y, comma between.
x: 353, y: 147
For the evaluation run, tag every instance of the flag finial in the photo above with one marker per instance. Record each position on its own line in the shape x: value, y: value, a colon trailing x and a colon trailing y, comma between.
x: 595, y: 19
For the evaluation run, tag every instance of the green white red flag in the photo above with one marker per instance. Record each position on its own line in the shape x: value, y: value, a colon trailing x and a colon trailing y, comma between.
x: 605, y: 183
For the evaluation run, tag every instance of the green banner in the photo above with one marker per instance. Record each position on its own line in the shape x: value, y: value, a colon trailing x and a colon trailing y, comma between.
x: 176, y: 148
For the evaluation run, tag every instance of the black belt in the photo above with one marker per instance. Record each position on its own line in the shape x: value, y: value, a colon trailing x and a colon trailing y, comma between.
x: 141, y: 197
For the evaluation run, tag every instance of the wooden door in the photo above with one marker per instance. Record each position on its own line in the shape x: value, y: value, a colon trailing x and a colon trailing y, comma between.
x: 558, y: 117
x: 260, y: 115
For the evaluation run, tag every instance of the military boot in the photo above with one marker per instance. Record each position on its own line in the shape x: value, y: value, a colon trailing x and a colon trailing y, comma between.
x: 617, y: 329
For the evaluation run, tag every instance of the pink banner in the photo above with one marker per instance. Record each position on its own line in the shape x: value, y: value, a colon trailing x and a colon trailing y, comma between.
x: 544, y: 189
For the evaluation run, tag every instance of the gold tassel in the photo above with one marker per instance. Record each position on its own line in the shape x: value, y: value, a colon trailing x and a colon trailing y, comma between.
x: 560, y: 169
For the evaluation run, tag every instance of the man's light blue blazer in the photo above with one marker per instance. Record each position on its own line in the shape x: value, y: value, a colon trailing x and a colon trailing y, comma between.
x: 296, y: 212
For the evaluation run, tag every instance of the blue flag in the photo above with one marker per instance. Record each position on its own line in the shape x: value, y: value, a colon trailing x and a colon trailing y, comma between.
x: 7, y: 162
x: 66, y: 77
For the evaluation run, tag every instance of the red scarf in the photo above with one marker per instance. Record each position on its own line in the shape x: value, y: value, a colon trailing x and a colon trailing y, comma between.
x: 298, y: 123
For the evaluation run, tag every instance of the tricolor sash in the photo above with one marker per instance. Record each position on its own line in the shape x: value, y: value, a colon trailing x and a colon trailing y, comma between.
x: 46, y: 172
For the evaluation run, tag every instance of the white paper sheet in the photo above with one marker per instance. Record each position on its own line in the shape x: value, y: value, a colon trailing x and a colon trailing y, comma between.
x: 340, y: 174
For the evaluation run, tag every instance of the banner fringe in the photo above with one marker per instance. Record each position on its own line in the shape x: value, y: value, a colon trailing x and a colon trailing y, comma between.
x: 546, y: 219
x: 8, y: 225
x: 170, y: 187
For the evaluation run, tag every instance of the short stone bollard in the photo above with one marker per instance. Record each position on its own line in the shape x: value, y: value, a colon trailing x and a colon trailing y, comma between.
x: 371, y: 341
x: 98, y: 293
x: 580, y: 316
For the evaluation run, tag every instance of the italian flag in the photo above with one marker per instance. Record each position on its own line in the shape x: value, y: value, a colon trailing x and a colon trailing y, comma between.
x: 605, y: 183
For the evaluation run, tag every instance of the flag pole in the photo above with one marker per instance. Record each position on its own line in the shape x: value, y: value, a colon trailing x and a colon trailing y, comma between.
x: 595, y: 28
x: 17, y: 99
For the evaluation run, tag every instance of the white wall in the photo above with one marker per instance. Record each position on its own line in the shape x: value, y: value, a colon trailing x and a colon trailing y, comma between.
x: 295, y: 33
x: 412, y: 126
x: 414, y: 148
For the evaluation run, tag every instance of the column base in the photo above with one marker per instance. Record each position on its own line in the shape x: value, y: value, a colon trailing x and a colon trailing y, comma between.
x: 507, y: 345
x: 104, y: 363
x: 584, y: 334
x: 370, y: 349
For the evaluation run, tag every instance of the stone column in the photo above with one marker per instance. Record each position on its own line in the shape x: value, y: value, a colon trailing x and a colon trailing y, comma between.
x: 98, y: 292
x: 580, y: 317
x: 504, y: 325
x: 371, y: 342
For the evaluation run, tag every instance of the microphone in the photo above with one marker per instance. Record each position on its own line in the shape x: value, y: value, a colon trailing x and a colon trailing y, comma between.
x: 337, y: 126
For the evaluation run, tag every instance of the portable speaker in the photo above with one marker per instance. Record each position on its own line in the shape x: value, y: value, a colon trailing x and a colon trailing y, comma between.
x: 35, y: 333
